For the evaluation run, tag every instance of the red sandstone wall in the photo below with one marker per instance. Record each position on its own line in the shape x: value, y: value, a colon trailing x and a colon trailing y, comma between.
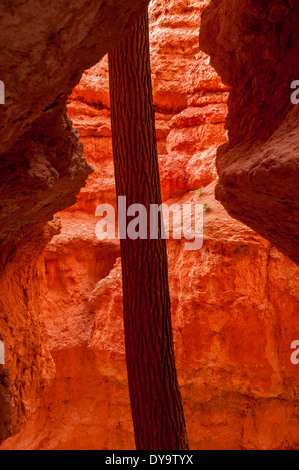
x: 45, y: 47
x: 254, y: 45
x: 234, y: 302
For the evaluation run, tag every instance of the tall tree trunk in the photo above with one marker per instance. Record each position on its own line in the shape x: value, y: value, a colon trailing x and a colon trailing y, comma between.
x: 154, y: 392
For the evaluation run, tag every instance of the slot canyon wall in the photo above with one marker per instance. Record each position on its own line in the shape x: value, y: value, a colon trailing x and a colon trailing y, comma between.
x: 254, y: 47
x: 45, y: 48
x: 235, y: 302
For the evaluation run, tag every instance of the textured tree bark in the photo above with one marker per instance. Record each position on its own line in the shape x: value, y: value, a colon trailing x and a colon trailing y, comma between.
x: 154, y: 392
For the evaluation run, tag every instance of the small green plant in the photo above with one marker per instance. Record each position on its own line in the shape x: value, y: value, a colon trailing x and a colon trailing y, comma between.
x: 198, y: 191
x: 207, y: 207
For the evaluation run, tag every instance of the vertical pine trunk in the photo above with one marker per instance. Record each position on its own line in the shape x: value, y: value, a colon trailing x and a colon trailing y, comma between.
x: 154, y: 392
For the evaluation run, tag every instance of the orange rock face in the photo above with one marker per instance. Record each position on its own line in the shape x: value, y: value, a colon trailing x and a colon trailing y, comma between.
x: 41, y: 169
x: 234, y: 302
x: 259, y: 167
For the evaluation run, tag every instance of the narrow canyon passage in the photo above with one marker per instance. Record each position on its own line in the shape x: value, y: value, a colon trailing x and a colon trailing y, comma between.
x: 235, y: 302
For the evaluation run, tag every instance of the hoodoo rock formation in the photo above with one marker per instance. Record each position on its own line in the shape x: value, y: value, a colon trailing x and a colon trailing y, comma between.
x: 235, y: 302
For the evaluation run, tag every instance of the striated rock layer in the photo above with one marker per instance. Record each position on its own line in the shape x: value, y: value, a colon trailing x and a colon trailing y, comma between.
x: 254, y: 46
x: 234, y: 302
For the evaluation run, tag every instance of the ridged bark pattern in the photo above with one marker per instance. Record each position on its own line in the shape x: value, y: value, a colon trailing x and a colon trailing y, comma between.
x: 154, y: 392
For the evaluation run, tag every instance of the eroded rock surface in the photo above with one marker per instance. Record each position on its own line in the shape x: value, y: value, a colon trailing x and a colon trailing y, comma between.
x: 235, y: 301
x: 254, y: 47
x: 5, y: 404
x: 45, y: 47
x: 59, y: 40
